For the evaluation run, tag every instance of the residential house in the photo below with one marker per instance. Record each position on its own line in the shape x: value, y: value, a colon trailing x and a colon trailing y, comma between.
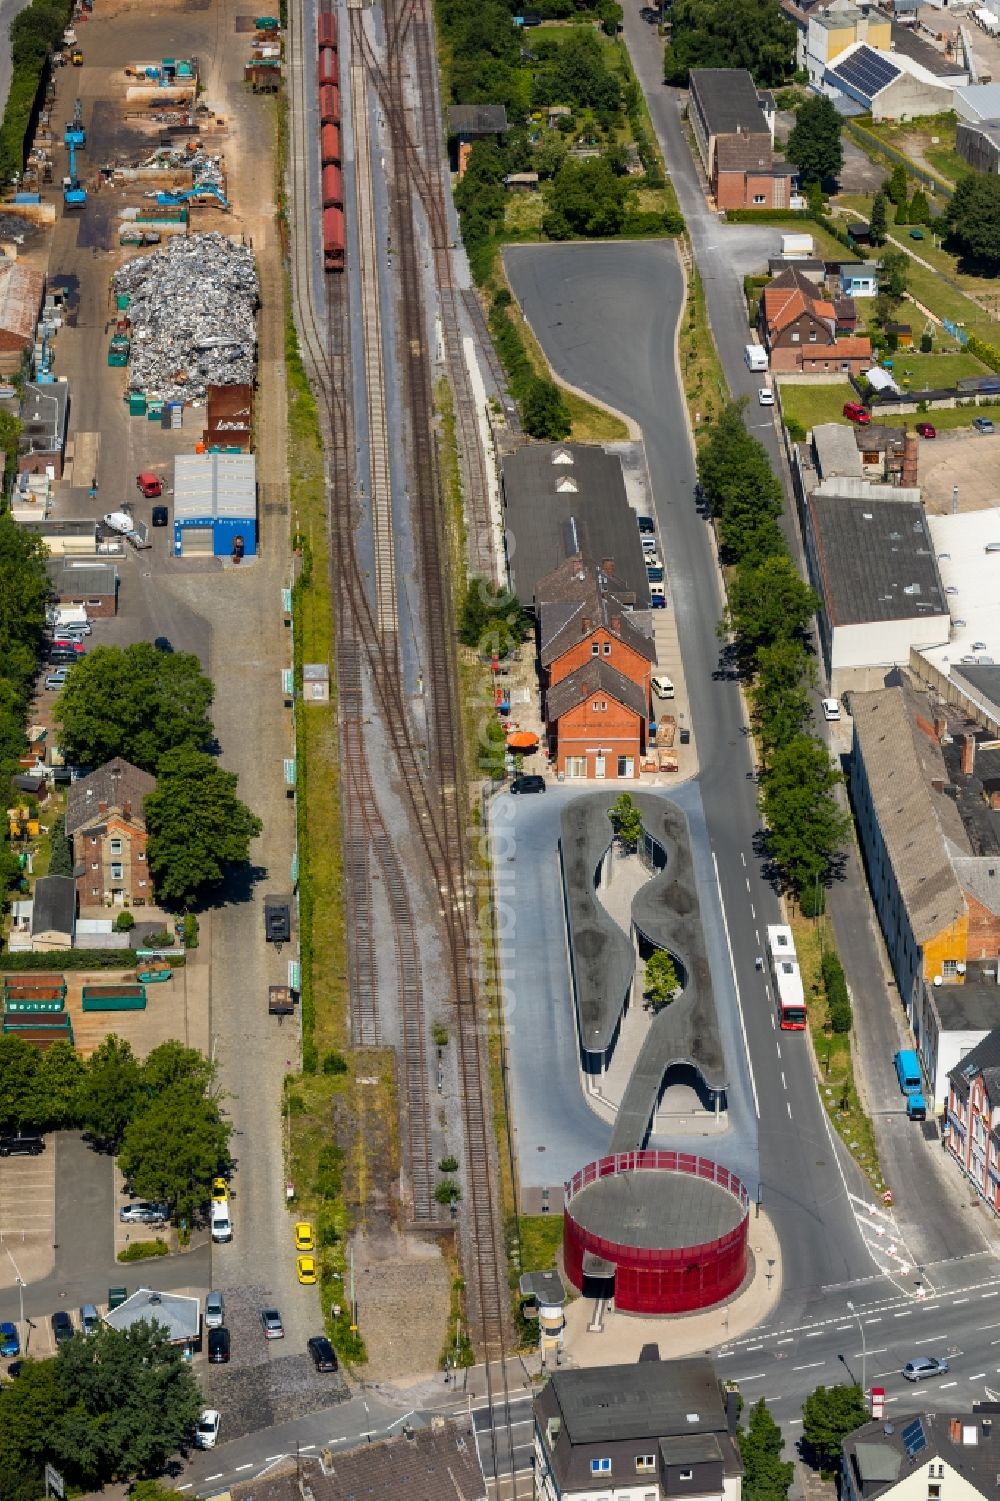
x: 749, y: 175
x: 857, y: 279
x: 106, y: 822
x: 439, y: 1463
x: 951, y: 1020
x: 91, y: 582
x: 925, y: 1454
x: 53, y: 914
x: 596, y: 657
x: 798, y: 324
x: 973, y: 1118
x: 734, y: 131
x: 656, y: 1429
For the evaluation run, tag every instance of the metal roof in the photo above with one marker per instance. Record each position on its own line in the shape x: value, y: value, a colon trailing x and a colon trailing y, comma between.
x: 215, y: 486
x: 876, y: 562
x: 865, y: 72
x: 179, y: 1315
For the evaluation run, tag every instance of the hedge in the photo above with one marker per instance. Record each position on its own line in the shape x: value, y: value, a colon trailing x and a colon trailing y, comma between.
x: 34, y: 34
x: 838, y: 1000
x: 988, y: 353
x: 63, y: 959
x: 142, y: 1250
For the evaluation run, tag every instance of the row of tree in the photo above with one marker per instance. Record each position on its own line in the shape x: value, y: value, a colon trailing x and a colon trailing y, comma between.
x: 152, y: 708
x: 829, y: 1414
x: 161, y: 1116
x: 34, y: 36
x: 767, y: 619
x: 24, y: 594
x: 108, y: 1406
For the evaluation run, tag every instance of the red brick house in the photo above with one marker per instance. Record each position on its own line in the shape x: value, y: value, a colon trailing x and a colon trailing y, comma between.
x: 749, y: 175
x: 973, y: 1118
x: 596, y: 658
x: 798, y: 324
x: 106, y: 823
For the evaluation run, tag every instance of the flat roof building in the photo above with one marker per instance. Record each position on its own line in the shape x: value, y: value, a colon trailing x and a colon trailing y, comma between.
x: 91, y: 582
x: 215, y: 504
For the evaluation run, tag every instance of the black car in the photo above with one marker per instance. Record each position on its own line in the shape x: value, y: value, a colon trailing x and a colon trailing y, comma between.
x: 65, y: 654
x: 159, y: 515
x: 646, y: 525
x: 218, y: 1345
x: 323, y: 1354
x: 62, y: 1326
x: 528, y: 784
x: 23, y: 1144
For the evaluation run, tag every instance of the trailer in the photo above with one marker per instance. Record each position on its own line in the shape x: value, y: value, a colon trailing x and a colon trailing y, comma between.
x: 154, y: 971
x: 30, y: 986
x: 277, y: 919
x: 280, y: 1000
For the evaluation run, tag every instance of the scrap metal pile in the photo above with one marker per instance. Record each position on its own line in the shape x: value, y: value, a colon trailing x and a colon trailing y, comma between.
x: 192, y: 307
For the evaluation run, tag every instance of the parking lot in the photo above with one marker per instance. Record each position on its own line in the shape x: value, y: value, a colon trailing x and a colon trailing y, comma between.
x: 962, y: 458
x: 27, y: 1216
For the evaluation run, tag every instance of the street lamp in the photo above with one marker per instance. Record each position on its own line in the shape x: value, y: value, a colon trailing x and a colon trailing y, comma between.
x: 864, y: 1351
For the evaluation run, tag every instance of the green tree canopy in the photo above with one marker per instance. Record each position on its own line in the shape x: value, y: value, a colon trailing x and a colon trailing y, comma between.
x: 973, y: 216
x: 172, y: 1066
x: 897, y: 188
x: 741, y: 488
x: 60, y: 1083
x: 198, y: 828
x: 174, y: 1147
x: 661, y: 979
x: 751, y: 34
x: 894, y: 274
x: 781, y: 692
x: 570, y: 69
x: 920, y: 211
x: 30, y: 1413
x: 586, y: 198
x: 110, y: 1090
x: 806, y: 825
x: 814, y: 144
x: 544, y: 412
x: 879, y: 222
x: 19, y: 1094
x: 828, y: 1416
x: 767, y: 603
x: 627, y: 820
x: 24, y: 594
x: 136, y: 702
x: 491, y: 617
x: 766, y: 1476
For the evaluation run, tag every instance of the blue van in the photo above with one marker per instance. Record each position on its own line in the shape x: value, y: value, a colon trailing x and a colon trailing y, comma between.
x: 911, y: 1083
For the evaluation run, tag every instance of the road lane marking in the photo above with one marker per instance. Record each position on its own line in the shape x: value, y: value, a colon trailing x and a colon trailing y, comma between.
x: 272, y: 1457
x: 304, y: 1448
x: 739, y: 1002
x: 841, y: 1327
x: 759, y: 1377
x: 751, y: 1348
x: 880, y: 1351
x: 814, y: 1334
x: 874, y: 1321
x: 215, y: 1477
x: 959, y: 1301
x: 242, y: 1467
x: 978, y: 1376
x: 784, y: 1081
x: 945, y: 1385
x: 788, y: 1341
x: 789, y: 1109
x: 813, y: 1366
x: 184, y: 1487
x: 904, y: 1315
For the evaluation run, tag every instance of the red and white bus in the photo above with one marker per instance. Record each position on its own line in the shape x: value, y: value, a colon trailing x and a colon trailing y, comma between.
x: 787, y: 979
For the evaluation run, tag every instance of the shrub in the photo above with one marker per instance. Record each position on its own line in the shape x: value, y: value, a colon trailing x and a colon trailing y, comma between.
x: 926, y: 343
x: 448, y: 1165
x: 190, y: 931
x: 334, y: 1063
x: 796, y: 430
x: 838, y: 1000
x: 448, y: 1192
x: 327, y: 1233
x: 142, y: 1250
x: 124, y: 922
x: 328, y: 1175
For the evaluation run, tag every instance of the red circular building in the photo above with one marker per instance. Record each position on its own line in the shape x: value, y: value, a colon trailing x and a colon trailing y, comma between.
x: 660, y: 1232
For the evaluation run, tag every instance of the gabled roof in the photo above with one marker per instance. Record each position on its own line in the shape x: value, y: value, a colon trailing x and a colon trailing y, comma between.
x: 115, y: 783
x: 882, y: 1456
x: 54, y: 905
x: 596, y: 676
x: 752, y: 154
x: 983, y: 1059
x: 784, y: 303
x: 178, y: 1314
x: 576, y: 599
x: 420, y: 1464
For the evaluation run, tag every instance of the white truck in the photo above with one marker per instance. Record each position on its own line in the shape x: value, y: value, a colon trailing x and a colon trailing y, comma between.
x: 796, y: 247
x: 755, y: 356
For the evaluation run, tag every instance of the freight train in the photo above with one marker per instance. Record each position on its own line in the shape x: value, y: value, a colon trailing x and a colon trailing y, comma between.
x: 328, y: 83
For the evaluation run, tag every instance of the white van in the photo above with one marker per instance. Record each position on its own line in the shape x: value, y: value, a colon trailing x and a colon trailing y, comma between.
x: 755, y: 356
x: 222, y: 1225
x: 663, y: 687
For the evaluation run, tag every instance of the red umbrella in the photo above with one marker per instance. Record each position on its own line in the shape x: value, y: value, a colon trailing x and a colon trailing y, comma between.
x: 522, y: 740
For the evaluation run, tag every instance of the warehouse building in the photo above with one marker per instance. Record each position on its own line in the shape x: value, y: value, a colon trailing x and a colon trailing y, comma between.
x: 891, y: 85
x: 21, y: 291
x: 215, y: 505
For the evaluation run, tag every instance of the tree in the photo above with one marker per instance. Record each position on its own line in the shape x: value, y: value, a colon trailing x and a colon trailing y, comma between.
x: 781, y: 693
x: 491, y: 619
x: 751, y: 34
x: 894, y: 273
x: 740, y: 487
x: 549, y: 154
x: 896, y: 188
x: 60, y: 853
x: 544, y: 413
x: 173, y: 1148
x: 136, y: 702
x: 130, y: 1400
x: 814, y: 144
x: 627, y: 820
x: 766, y: 1476
x: 828, y: 1416
x: 30, y: 1413
x: 920, y: 212
x: 198, y: 827
x: 661, y: 979
x: 109, y: 1091
x: 585, y: 198
x: 878, y: 224
x: 610, y: 15
x: 173, y: 1066
x: 19, y: 1094
x: 973, y: 216
x: 60, y: 1082
x: 767, y: 603
x: 806, y: 825
x: 24, y: 594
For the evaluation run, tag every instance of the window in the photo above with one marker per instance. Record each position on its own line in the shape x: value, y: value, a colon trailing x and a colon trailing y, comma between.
x: 595, y: 650
x: 142, y: 883
x: 95, y: 865
x: 686, y: 1475
x: 759, y: 198
x: 795, y: 337
x: 645, y: 1462
x: 140, y: 855
x: 950, y: 968
x: 596, y: 706
x: 604, y: 706
x: 812, y: 336
x: 116, y: 846
x: 93, y: 838
x: 607, y: 648
x: 933, y: 1492
x: 600, y: 1467
x: 117, y: 870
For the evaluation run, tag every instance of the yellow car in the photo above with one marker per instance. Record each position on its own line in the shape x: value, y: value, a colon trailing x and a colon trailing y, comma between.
x: 305, y: 1267
x: 220, y: 1191
x: 304, y: 1236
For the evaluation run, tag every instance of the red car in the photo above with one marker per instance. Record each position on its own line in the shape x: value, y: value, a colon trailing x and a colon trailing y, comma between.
x: 927, y: 429
x: 857, y: 413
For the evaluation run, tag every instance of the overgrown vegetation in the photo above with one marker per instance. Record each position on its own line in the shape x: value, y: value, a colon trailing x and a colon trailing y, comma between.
x: 24, y: 595
x: 34, y: 36
x: 751, y: 34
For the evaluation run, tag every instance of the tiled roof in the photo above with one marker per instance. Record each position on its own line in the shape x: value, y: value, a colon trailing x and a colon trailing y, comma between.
x: 594, y: 677
x: 115, y: 783
x: 578, y: 592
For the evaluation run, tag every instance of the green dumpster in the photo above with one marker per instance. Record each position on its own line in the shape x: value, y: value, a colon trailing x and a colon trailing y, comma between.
x: 137, y: 404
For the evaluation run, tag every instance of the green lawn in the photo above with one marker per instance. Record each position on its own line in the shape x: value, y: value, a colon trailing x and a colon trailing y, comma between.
x: 813, y: 404
x: 925, y: 372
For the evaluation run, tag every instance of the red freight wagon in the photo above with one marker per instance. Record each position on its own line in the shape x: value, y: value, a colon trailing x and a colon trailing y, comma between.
x: 333, y: 188
x: 329, y: 142
x: 328, y: 69
x: 326, y: 29
x: 333, y: 239
x: 329, y: 105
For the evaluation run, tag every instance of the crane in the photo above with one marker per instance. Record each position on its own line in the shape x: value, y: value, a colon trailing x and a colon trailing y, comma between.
x: 75, y: 135
x: 74, y: 193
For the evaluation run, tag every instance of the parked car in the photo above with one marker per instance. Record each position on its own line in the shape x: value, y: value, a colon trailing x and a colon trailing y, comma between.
x: 22, y: 1144
x: 857, y: 413
x: 305, y: 1270
x: 657, y: 601
x: 765, y: 396
x: 927, y: 429
x: 916, y: 234
x: 142, y: 1213
x: 305, y: 1240
x: 10, y: 1343
x: 64, y: 653
x: 220, y: 1191
x: 270, y: 1320
x: 982, y: 425
x: 215, y: 1311
x: 159, y: 516
x: 924, y: 1365
x: 55, y: 680
x: 62, y: 1326
x: 646, y: 525
x: 527, y: 784
x: 66, y: 638
x: 323, y: 1354
x: 89, y: 1319
x: 148, y: 485
x: 831, y: 708
x: 206, y: 1434
x: 119, y: 521
x: 218, y: 1345
x: 73, y: 628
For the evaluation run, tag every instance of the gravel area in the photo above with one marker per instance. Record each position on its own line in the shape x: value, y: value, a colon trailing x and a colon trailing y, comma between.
x: 402, y: 1285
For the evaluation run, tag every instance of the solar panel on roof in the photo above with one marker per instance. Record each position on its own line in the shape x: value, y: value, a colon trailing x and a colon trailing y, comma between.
x: 867, y: 72
x: 913, y: 1437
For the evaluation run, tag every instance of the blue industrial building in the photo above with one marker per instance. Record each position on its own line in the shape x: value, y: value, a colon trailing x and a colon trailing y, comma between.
x: 215, y: 505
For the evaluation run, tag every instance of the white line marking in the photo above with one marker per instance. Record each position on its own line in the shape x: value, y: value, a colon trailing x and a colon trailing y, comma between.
x: 788, y: 1107
x: 793, y: 1421
x: 751, y: 1348
x: 904, y: 1315
x: 739, y: 1003
x: 874, y: 1321
x: 759, y: 1377
x: 841, y: 1327
x: 978, y: 1376
x: 304, y: 1448
x: 185, y: 1487
x: 814, y: 1334
x: 215, y: 1477
x: 784, y: 1081
x: 743, y: 858
x: 242, y: 1467
x: 929, y: 1339
x: 753, y: 912
x: 959, y: 1301
x: 788, y: 1341
x: 396, y: 1421
x: 272, y: 1457
x: 945, y: 1385
x: 989, y: 1295
x: 813, y: 1366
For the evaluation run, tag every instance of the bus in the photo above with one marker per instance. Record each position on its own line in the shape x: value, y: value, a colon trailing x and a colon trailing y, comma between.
x: 787, y: 979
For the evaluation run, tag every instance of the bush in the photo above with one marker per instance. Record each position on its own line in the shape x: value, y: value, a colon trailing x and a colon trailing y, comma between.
x: 71, y: 959
x: 124, y: 922
x: 448, y: 1192
x: 448, y: 1165
x: 334, y: 1063
x: 796, y: 430
x: 327, y: 1233
x: 164, y: 939
x: 190, y: 931
x: 838, y: 1000
x: 142, y: 1250
x: 926, y: 343
x: 328, y: 1175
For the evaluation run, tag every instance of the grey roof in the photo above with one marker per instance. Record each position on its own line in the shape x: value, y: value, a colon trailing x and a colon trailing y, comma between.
x: 476, y: 119
x: 567, y: 498
x: 654, y: 1210
x: 908, y: 1443
x: 53, y: 905
x: 178, y: 1314
x: 966, y: 1008
x: 215, y: 485
x: 577, y: 598
x: 876, y: 561
x: 751, y: 154
x: 547, y: 1287
x: 906, y: 41
x: 595, y: 676
x: 43, y: 416
x: 651, y: 1399
x: 904, y: 807
x: 728, y: 100
x: 879, y: 436
x: 982, y: 100
x: 691, y: 1449
x: 984, y: 684
x: 421, y: 1464
x: 115, y: 783
x: 836, y: 451
x: 983, y: 1059
x: 92, y: 577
